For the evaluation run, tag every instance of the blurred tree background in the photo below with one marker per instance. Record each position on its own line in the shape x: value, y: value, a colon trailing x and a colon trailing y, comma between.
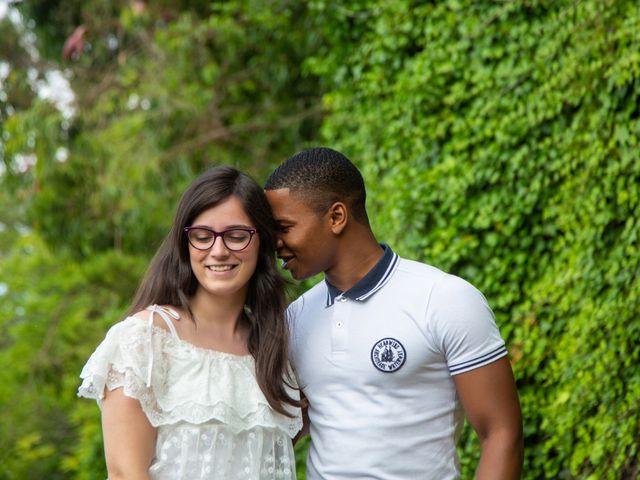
x: 499, y: 140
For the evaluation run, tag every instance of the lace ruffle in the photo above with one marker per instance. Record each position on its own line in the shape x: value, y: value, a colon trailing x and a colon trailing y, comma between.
x: 176, y: 381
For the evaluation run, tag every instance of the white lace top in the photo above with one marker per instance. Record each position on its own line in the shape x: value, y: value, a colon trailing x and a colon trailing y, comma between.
x: 212, y: 419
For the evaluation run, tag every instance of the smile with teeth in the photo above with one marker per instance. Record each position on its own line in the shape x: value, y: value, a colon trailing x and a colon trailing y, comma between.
x: 220, y: 268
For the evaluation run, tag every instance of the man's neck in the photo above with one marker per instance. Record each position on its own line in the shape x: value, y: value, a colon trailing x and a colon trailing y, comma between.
x: 356, y: 258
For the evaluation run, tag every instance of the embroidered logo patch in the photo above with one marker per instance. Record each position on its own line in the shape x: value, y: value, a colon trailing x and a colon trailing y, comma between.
x: 388, y: 355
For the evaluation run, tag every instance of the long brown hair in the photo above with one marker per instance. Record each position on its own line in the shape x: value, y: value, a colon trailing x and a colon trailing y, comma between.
x: 170, y: 280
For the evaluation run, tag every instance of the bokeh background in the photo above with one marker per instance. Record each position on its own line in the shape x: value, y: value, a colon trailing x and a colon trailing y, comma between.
x: 499, y: 140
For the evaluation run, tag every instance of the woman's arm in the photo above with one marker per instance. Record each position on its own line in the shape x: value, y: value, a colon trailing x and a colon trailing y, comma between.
x: 129, y: 438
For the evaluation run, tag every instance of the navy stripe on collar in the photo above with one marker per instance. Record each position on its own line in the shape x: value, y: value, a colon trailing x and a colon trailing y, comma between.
x: 373, y: 281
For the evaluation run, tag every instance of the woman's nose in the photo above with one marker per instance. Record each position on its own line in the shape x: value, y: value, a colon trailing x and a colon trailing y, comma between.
x: 219, y: 248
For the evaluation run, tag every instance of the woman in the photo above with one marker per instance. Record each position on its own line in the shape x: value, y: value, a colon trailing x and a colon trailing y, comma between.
x: 195, y: 383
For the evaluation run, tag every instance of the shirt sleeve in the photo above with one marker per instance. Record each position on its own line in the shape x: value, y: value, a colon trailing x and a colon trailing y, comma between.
x: 464, y: 326
x: 293, y: 313
x: 127, y: 357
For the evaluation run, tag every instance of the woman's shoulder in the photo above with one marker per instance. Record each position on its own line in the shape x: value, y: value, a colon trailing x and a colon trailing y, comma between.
x: 161, y: 316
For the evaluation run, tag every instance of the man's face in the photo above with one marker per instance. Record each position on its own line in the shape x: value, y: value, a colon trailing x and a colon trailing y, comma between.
x: 306, y: 241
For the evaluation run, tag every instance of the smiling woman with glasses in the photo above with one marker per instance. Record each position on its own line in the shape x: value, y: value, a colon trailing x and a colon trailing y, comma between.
x: 194, y: 382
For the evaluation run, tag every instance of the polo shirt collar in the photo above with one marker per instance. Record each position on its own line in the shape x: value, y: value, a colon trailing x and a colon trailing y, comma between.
x: 373, y: 281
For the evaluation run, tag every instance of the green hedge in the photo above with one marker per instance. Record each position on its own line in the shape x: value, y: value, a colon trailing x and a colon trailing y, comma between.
x: 500, y: 143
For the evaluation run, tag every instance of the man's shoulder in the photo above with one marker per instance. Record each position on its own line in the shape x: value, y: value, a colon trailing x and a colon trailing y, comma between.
x: 413, y: 268
x: 316, y: 295
x: 411, y: 273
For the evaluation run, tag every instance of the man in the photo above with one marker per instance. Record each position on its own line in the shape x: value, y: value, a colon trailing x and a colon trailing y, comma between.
x: 390, y: 353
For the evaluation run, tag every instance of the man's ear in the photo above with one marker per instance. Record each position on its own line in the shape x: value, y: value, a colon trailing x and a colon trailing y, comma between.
x: 338, y: 217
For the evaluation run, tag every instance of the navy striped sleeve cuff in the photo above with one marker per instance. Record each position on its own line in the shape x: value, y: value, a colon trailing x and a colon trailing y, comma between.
x: 479, y: 361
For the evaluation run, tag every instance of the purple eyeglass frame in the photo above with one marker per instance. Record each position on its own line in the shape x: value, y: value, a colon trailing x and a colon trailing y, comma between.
x: 250, y: 231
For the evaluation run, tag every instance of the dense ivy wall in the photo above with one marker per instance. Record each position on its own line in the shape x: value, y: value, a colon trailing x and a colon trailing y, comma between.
x: 500, y: 143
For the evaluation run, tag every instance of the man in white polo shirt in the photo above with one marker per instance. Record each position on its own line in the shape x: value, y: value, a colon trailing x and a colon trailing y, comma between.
x: 390, y: 353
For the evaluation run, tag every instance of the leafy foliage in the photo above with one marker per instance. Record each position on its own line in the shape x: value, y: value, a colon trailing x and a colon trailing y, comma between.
x: 161, y: 94
x: 503, y: 137
x: 499, y: 141
x: 53, y: 314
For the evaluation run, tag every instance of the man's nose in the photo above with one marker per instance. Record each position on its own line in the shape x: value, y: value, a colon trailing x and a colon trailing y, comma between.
x: 279, y: 242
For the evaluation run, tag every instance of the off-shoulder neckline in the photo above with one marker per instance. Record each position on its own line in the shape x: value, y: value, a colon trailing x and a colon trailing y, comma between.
x: 207, y: 351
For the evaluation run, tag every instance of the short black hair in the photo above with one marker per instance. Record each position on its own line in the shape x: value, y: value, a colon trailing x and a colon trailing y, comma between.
x: 323, y: 176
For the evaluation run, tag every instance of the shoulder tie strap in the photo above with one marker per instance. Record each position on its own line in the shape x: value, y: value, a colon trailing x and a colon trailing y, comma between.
x: 164, y: 313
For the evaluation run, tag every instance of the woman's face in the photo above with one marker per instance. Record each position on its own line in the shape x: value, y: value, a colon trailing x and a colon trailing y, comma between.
x: 220, y: 270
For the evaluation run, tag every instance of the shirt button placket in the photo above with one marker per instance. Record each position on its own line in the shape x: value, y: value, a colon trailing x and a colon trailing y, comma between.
x: 339, y: 333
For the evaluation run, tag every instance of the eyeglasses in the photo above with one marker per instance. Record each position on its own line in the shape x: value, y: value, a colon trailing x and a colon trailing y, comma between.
x: 235, y: 239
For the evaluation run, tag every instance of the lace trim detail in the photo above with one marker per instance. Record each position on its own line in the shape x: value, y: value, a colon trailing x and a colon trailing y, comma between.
x: 176, y: 381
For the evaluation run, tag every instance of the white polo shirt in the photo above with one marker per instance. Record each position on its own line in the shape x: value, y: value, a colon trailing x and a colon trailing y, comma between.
x: 376, y: 364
